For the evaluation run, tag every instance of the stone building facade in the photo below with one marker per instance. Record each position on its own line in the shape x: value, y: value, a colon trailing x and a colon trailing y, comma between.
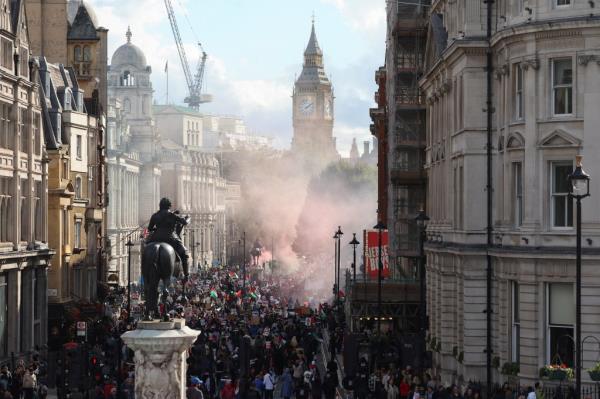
x: 191, y: 177
x: 123, y: 174
x: 133, y: 158
x: 24, y: 250
x: 67, y: 32
x: 546, y: 88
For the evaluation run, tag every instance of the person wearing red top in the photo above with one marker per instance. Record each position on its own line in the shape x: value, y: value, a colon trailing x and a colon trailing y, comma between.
x: 404, y: 389
x: 228, y: 391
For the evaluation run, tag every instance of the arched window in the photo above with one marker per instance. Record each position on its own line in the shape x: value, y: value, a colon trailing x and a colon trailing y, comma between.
x: 77, y: 53
x: 78, y: 183
x: 87, y: 53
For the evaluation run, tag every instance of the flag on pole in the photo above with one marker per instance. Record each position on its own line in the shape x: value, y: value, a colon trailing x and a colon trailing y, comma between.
x: 167, y: 66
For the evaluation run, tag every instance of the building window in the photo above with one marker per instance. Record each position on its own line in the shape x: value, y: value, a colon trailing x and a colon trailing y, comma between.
x: 516, y: 323
x: 38, y: 227
x: 77, y: 53
x: 561, y: 204
x: 24, y: 62
x: 37, y: 143
x: 77, y: 240
x: 5, y: 127
x: 87, y: 54
x: 562, y: 3
x: 78, y: 184
x: 23, y: 130
x: 79, y: 146
x: 562, y: 86
x: 7, y: 54
x: 3, y: 316
x: 518, y: 193
x: 5, y: 209
x: 24, y: 210
x: 519, y: 105
x: 561, y: 319
x: 65, y: 222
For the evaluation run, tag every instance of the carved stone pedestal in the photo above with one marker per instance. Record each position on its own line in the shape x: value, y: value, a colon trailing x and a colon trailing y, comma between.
x: 160, y: 358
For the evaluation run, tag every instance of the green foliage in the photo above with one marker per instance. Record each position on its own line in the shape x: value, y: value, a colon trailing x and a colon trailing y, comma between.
x: 510, y: 368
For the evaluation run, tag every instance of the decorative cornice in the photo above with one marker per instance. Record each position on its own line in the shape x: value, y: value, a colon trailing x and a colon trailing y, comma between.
x: 557, y: 33
x: 534, y: 63
x: 584, y: 59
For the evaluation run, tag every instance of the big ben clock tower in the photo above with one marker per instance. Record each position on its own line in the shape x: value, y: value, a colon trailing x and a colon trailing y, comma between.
x: 313, y: 109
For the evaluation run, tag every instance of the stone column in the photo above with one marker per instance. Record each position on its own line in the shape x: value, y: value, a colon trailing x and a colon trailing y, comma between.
x: 160, y: 358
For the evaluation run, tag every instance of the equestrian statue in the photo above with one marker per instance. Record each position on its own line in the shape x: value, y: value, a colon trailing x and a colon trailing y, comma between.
x: 159, y: 256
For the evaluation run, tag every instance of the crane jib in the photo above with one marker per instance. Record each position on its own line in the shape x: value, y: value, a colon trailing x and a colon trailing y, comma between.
x: 194, y: 83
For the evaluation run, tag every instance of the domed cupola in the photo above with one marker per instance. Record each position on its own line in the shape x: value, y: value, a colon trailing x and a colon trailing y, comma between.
x: 129, y: 55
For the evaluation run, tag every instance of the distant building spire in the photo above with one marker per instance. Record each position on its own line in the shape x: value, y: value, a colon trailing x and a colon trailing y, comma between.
x: 128, y: 34
x: 354, y: 155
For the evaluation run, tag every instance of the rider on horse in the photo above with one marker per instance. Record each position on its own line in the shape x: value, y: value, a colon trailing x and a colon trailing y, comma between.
x: 164, y: 228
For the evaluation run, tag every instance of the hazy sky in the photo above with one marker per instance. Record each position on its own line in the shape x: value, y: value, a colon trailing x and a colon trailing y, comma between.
x: 255, y: 49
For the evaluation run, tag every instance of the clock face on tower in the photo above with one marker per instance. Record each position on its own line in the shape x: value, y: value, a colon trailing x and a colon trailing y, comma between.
x: 306, y: 106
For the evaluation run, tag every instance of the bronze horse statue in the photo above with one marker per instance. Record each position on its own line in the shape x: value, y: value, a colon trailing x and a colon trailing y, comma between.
x: 159, y: 262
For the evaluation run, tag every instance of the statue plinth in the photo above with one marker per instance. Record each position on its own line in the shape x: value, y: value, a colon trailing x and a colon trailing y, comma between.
x: 160, y: 358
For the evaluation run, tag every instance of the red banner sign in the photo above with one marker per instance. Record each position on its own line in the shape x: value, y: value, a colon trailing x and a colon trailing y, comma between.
x: 371, y: 239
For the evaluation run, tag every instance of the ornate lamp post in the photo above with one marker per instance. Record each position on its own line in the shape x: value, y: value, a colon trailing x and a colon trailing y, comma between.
x: 244, y: 265
x: 354, y: 243
x: 339, y: 261
x: 580, y: 189
x: 335, y: 257
x: 129, y: 245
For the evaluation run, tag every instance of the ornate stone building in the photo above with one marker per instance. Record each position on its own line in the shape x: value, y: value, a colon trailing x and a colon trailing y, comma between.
x: 68, y: 33
x: 313, y: 112
x: 133, y: 162
x: 123, y: 174
x: 546, y: 88
x: 192, y: 179
x: 24, y: 253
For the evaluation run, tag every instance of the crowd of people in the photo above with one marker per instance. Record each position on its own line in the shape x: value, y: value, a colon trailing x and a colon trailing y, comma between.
x: 258, y: 339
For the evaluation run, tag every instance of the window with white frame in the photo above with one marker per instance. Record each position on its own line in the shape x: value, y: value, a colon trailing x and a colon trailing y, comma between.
x: 519, y: 104
x: 562, y: 86
x: 79, y: 146
x: 516, y: 323
x: 518, y: 193
x: 562, y: 3
x: 77, y: 237
x: 560, y: 326
x: 561, y: 206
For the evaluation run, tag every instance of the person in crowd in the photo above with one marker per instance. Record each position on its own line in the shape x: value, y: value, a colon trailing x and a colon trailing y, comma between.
x: 287, y: 384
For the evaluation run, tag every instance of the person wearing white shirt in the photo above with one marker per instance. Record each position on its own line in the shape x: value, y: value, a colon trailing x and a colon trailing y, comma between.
x: 269, y: 385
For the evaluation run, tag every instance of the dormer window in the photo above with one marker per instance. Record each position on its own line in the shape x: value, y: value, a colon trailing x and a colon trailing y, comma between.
x: 77, y: 53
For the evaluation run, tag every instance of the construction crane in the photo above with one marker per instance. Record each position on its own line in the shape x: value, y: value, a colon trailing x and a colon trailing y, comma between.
x: 194, y: 82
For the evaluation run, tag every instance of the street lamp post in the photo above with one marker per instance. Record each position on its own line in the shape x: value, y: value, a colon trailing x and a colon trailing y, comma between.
x: 580, y: 189
x: 354, y: 243
x: 339, y: 252
x: 380, y: 226
x: 335, y: 257
x: 129, y: 245
x: 422, y: 220
x: 244, y: 265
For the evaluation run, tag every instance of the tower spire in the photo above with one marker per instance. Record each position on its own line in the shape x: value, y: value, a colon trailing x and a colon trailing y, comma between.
x: 128, y: 34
